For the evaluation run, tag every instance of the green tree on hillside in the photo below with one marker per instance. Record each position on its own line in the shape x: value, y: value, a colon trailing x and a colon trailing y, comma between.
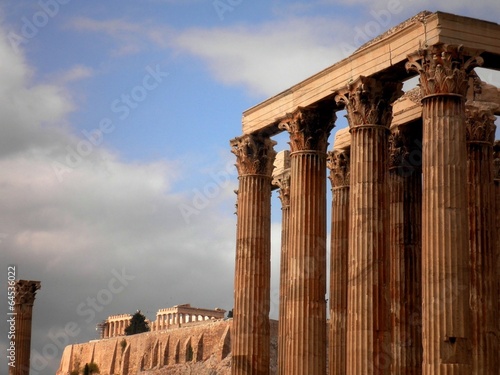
x: 138, y: 324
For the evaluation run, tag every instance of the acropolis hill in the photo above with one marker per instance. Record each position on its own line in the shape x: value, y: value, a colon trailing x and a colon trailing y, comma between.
x: 181, y: 338
x: 415, y: 221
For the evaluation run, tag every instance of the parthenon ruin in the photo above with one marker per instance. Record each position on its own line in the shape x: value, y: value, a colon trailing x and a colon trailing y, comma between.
x: 182, y: 314
x: 175, y: 316
x: 414, y: 262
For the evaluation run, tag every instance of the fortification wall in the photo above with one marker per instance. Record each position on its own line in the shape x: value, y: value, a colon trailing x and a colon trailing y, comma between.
x: 205, y: 348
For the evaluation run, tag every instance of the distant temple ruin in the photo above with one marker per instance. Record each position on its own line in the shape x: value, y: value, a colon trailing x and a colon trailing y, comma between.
x: 414, y: 247
x: 176, y: 316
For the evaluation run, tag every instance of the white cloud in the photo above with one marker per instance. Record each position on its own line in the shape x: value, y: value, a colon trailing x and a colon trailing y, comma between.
x: 30, y: 113
x: 100, y: 215
x: 130, y: 37
x: 268, y: 58
x: 409, y: 8
x: 263, y: 58
x: 76, y: 73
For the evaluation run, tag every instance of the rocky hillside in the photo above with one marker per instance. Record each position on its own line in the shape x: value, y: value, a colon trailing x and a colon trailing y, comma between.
x: 202, y: 349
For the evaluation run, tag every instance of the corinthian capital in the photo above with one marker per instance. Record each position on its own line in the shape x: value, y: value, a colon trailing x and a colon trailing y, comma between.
x: 309, y: 128
x: 443, y: 68
x: 254, y: 154
x: 25, y: 291
x: 283, y: 183
x: 339, y: 164
x: 281, y: 177
x: 369, y: 101
x: 480, y: 123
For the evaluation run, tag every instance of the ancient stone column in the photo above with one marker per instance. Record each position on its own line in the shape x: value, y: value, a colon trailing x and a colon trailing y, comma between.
x: 338, y: 163
x: 368, y: 104
x: 309, y: 129
x: 446, y: 318
x: 405, y: 207
x: 23, y: 310
x: 496, y: 177
x: 480, y: 135
x: 250, y: 337
x: 281, y: 179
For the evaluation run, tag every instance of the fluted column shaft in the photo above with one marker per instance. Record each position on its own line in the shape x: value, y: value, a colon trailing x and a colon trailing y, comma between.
x: 445, y: 250
x: 445, y: 237
x: 283, y: 182
x: 306, y: 345
x: 338, y: 163
x: 496, y: 193
x: 23, y: 310
x: 250, y: 336
x: 480, y: 131
x: 368, y: 317
x: 405, y: 186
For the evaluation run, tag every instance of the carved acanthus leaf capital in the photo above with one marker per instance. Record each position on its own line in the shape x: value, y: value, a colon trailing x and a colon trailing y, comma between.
x: 309, y: 128
x: 338, y: 162
x: 254, y: 154
x: 282, y: 181
x: 369, y: 101
x: 496, y: 160
x: 443, y: 68
x: 26, y: 291
x: 479, y: 123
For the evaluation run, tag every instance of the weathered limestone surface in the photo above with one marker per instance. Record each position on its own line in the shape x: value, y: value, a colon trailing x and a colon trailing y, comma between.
x: 444, y: 73
x: 434, y: 252
x: 252, y: 285
x: 165, y: 352
x: 368, y: 315
x: 405, y: 185
x: 480, y: 132
x: 408, y: 108
x: 306, y: 346
x: 23, y: 308
x: 281, y: 179
x: 115, y: 325
x: 339, y: 165
x: 496, y: 177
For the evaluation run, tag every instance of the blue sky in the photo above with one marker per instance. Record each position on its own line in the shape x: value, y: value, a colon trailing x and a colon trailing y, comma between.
x: 151, y: 195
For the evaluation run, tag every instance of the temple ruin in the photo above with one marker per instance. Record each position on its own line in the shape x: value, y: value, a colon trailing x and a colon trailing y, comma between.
x: 414, y: 276
x: 184, y: 314
x: 171, y: 317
